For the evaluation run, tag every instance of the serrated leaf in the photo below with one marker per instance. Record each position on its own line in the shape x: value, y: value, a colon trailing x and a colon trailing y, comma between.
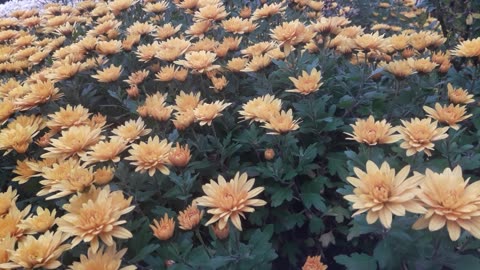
x: 357, y: 261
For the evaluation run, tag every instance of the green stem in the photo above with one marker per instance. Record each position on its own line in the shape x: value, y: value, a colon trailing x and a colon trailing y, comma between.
x: 200, y: 238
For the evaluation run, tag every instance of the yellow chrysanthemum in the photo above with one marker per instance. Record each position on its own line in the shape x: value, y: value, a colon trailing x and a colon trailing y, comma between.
x: 199, y: 62
x: 468, y: 48
x: 229, y: 201
x: 450, y: 201
x: 261, y: 109
x: 68, y: 117
x: 131, y: 130
x: 109, y: 74
x: 105, y: 151
x: 382, y: 193
x: 39, y: 223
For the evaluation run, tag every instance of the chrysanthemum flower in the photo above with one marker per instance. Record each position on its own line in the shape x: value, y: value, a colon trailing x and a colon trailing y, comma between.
x: 261, y: 109
x: 206, y: 112
x: 450, y: 201
x: 95, y: 215
x: 146, y: 52
x: 179, y: 156
x: 68, y: 117
x: 104, y: 259
x: 383, y: 193
x: 400, y: 69
x: 17, y: 138
x: 423, y: 65
x: 172, y: 48
x: 40, y: 92
x: 314, y: 263
x: 39, y: 223
x: 268, y: 10
x: 151, y: 156
x: 183, y: 119
x: 237, y: 25
x: 104, y: 151
x: 10, y: 223
x: 373, y: 132
x: 468, y: 48
x: 166, y: 73
x: 103, y: 175
x: 451, y: 115
x: 214, y: 12
x: 307, y: 83
x: 199, y: 62
x: 281, y: 122
x: 419, y: 135
x: 7, y: 200
x: 198, y: 29
x: 7, y: 109
x: 23, y: 172
x: 156, y: 107
x: 163, y: 228
x: 6, y: 244
x: 156, y: 7
x: 64, y: 178
x: 229, y: 201
x: 189, y: 218
x: 137, y: 77
x: 218, y: 83
x: 289, y: 34
x: 131, y: 130
x: 167, y: 30
x: 237, y: 64
x: 109, y: 74
x: 73, y: 141
x: 41, y: 252
x: 257, y: 63
x: 458, y: 95
x: 259, y: 48
x: 187, y: 102
x: 371, y: 42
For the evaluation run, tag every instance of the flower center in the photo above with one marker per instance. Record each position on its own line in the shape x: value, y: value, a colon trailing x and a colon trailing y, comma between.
x: 449, y: 200
x: 381, y: 192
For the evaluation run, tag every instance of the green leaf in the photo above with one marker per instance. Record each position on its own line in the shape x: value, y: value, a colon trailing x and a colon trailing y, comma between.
x: 146, y: 250
x: 280, y: 194
x: 337, y: 164
x: 314, y: 199
x: 357, y: 261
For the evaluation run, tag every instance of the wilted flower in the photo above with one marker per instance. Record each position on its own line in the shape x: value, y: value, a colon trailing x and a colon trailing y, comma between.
x: 230, y: 200
x: 163, y: 228
x: 449, y: 201
x: 382, y: 193
x: 451, y: 115
x: 419, y: 135
x: 373, y: 132
x: 307, y: 83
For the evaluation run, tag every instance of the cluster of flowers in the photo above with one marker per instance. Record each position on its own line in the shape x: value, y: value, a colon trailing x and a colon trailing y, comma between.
x: 75, y: 143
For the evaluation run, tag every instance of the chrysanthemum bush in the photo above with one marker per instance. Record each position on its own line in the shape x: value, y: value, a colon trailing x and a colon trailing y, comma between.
x: 208, y: 134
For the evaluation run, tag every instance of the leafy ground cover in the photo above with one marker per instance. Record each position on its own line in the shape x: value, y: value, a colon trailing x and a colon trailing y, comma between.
x: 208, y: 134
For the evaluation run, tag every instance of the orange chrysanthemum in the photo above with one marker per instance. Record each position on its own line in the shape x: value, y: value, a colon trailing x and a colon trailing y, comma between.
x: 163, y: 228
x: 261, y: 109
x: 382, y: 193
x: 109, y: 74
x: 451, y: 115
x: 131, y: 130
x: 314, y: 263
x: 95, y: 215
x: 458, y: 95
x: 200, y: 62
x: 307, y: 83
x: 206, y: 112
x: 281, y: 122
x: 419, y: 135
x: 229, y: 201
x: 373, y: 132
x: 189, y: 218
x: 450, y: 201
x: 151, y: 156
